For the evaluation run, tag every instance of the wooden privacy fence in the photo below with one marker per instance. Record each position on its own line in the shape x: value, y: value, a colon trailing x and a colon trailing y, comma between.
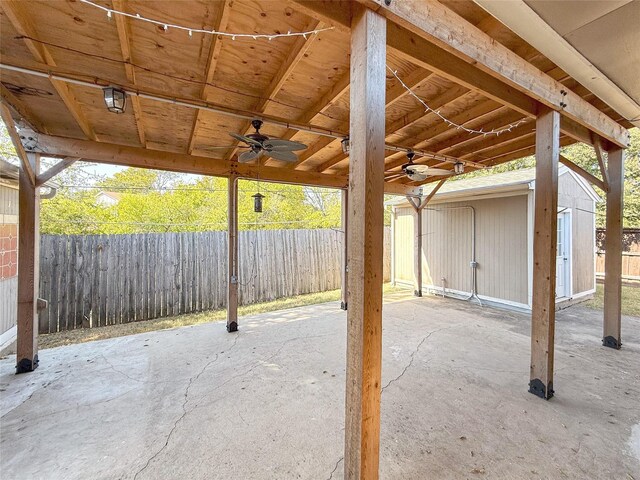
x: 98, y: 280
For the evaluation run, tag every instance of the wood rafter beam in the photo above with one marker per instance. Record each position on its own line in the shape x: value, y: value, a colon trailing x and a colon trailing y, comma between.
x: 583, y: 173
x: 597, y: 146
x: 436, y: 23
x: 212, y: 61
x: 17, y: 144
x: 432, y: 194
x: 63, y: 164
x: 124, y: 36
x: 184, y: 163
x: 19, y: 18
x: 421, y: 51
x: 393, y: 94
x: 297, y: 52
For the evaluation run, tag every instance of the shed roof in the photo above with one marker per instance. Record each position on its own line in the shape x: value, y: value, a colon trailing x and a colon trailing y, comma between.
x: 499, y: 183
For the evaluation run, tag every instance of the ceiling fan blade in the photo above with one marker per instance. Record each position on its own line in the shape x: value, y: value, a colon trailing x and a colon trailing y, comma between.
x: 248, y: 156
x: 227, y: 147
x: 416, y: 177
x: 426, y: 170
x: 247, y: 140
x: 279, y: 145
x: 394, y: 175
x: 282, y: 156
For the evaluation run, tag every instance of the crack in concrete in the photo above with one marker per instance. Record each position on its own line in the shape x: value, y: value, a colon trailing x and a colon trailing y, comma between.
x: 181, y: 417
x: 184, y: 406
x: 414, y: 353
x: 335, y: 468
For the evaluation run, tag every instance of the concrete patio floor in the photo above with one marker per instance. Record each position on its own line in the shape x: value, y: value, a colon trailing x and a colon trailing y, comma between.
x: 268, y: 402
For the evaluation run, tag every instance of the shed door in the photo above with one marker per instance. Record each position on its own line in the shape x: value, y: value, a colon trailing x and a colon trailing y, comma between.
x: 562, y: 255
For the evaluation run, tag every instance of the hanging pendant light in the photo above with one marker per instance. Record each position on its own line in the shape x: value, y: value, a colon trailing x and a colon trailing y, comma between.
x: 458, y: 167
x: 257, y: 202
x: 115, y: 99
x: 345, y: 145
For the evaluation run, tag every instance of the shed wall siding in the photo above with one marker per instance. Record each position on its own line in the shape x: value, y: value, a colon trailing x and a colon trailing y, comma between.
x: 572, y: 195
x: 501, y: 246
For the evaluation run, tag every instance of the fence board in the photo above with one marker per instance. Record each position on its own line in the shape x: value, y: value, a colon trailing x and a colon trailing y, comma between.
x: 98, y: 280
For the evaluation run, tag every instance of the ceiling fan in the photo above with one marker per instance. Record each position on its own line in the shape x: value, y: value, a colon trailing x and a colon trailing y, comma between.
x: 417, y: 173
x: 260, y: 145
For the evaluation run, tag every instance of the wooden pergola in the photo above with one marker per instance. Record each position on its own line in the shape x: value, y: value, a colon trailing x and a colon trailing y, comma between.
x: 187, y: 90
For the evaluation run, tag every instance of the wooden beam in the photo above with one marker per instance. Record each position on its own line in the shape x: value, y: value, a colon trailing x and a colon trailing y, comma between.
x: 17, y: 144
x: 232, y: 258
x: 393, y: 94
x: 583, y: 173
x: 543, y: 308
x: 21, y: 21
x: 365, y: 241
x: 124, y: 35
x: 417, y: 251
x: 113, y: 154
x: 344, y: 206
x: 611, y: 336
x: 63, y: 164
x: 214, y: 53
x: 437, y: 23
x: 432, y: 193
x: 597, y: 146
x: 297, y: 53
x: 28, y: 271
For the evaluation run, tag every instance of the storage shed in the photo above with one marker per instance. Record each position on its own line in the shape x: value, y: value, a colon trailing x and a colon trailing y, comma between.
x: 489, y: 220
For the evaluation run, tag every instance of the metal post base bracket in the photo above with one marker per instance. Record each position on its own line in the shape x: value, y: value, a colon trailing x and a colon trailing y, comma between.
x: 539, y: 389
x: 343, y: 305
x: 25, y: 365
x: 232, y: 327
x: 611, y: 342
x: 417, y: 293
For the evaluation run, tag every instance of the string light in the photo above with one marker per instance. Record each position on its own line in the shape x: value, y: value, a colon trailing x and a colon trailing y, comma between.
x: 190, y: 30
x: 496, y: 132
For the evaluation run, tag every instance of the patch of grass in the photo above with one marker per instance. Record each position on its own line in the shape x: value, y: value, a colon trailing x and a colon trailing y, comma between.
x: 630, y: 300
x: 82, y: 335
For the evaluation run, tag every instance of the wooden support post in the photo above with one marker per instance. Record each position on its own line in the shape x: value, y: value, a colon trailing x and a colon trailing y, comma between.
x: 232, y: 259
x: 365, y: 244
x: 613, y: 251
x: 28, y: 270
x: 345, y: 267
x: 543, y: 309
x: 417, y: 246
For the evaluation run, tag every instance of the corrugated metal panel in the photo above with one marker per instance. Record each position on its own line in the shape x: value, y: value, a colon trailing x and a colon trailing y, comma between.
x: 572, y: 195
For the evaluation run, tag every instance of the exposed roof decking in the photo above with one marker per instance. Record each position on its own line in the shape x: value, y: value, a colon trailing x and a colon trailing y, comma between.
x: 246, y: 74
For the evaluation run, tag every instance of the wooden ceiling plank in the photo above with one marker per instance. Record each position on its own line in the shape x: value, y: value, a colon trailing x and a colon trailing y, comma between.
x: 214, y: 53
x: 436, y: 23
x: 19, y: 18
x: 395, y: 93
x: 22, y: 110
x: 124, y: 36
x: 448, y: 65
x: 297, y: 52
